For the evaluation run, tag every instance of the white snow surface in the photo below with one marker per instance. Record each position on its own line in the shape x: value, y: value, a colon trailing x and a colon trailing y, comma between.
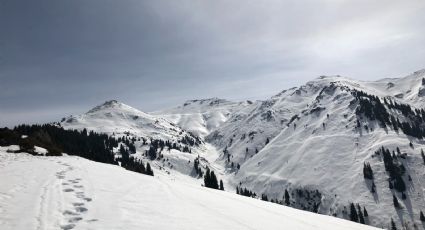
x: 69, y: 192
x: 113, y: 117
x: 309, y: 149
x: 313, y: 143
x: 202, y: 116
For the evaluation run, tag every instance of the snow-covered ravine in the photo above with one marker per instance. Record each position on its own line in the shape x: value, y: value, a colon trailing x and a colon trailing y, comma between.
x: 70, y: 192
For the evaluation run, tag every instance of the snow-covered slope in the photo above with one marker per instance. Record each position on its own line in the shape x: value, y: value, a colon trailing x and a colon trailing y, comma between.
x: 201, y: 117
x: 323, y: 149
x: 306, y: 140
x: 74, y: 193
x: 120, y: 120
x: 113, y: 117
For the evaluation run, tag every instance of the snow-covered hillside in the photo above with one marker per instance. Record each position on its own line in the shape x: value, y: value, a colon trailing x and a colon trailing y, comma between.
x: 323, y: 149
x: 306, y: 138
x: 122, y: 121
x: 312, y: 141
x: 75, y: 193
x: 202, y: 116
x: 113, y: 117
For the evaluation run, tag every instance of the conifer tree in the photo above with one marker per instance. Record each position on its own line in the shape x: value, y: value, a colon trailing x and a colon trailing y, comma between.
x: 367, y: 171
x: 373, y: 189
x: 423, y: 155
x: 360, y: 214
x: 286, y: 197
x: 399, y: 184
x: 210, y: 180
x: 207, y: 178
x: 395, y: 201
x: 421, y: 216
x: 365, y: 212
x: 221, y: 185
x: 393, y: 226
x: 353, y: 213
x: 214, y: 182
x: 149, y: 169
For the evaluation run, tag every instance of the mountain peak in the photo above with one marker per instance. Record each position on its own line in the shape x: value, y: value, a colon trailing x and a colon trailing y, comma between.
x: 108, y: 104
x: 328, y: 77
x: 210, y: 101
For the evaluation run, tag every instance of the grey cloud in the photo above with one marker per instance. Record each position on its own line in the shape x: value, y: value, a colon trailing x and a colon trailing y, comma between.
x: 59, y: 57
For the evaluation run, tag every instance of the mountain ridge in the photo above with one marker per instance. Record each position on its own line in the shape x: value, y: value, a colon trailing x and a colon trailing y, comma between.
x: 315, y: 137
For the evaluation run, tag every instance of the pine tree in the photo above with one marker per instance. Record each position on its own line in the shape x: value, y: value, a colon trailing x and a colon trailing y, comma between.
x: 214, y: 182
x: 421, y: 216
x: 423, y: 155
x: 365, y: 212
x: 210, y: 180
x: 373, y: 190
x: 221, y: 185
x: 286, y: 198
x: 399, y: 184
x: 149, y: 169
x: 360, y: 214
x: 207, y: 178
x: 353, y: 213
x: 367, y: 171
x: 395, y: 201
x: 393, y: 226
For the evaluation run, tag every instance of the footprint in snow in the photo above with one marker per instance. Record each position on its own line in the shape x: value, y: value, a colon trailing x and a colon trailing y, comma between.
x: 92, y: 220
x: 68, y: 190
x: 78, y: 204
x: 81, y: 209
x: 69, y: 213
x: 67, y: 226
x: 75, y: 219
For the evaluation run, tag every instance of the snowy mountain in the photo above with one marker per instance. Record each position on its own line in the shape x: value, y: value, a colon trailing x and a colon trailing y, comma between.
x: 316, y: 137
x: 113, y: 117
x: 70, y: 192
x: 145, y: 132
x: 202, y: 116
x: 315, y: 141
x: 324, y: 149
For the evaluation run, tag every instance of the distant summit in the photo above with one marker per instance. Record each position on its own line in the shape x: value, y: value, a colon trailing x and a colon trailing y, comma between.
x: 208, y: 101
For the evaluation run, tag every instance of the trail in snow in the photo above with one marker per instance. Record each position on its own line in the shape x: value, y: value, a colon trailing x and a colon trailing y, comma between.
x: 74, y: 193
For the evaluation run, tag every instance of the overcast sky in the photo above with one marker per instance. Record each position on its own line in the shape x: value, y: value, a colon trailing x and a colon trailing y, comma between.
x: 62, y: 57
